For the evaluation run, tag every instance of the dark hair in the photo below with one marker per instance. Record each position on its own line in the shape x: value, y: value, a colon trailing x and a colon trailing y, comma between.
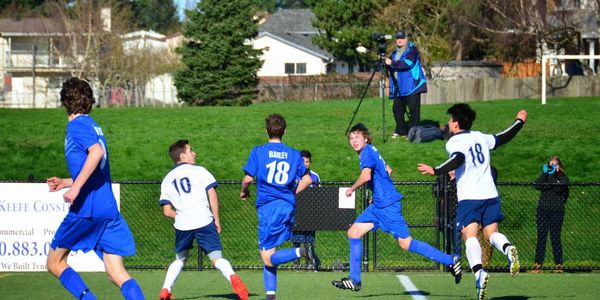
x: 463, y: 114
x: 360, y: 127
x: 76, y: 96
x: 306, y: 153
x: 275, y: 124
x: 177, y: 148
x: 558, y: 161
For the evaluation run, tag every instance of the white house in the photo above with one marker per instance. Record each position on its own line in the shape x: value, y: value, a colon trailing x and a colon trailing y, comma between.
x: 286, y: 41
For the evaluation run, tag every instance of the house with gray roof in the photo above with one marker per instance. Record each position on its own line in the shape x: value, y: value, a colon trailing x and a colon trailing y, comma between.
x: 286, y: 40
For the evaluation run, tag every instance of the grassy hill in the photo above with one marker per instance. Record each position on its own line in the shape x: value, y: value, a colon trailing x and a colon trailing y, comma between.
x: 31, y: 141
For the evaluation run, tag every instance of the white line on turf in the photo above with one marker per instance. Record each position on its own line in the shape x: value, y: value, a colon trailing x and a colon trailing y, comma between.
x: 410, y: 288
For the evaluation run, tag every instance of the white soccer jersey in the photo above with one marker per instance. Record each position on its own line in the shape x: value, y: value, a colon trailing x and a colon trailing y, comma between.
x: 474, y: 178
x: 185, y: 187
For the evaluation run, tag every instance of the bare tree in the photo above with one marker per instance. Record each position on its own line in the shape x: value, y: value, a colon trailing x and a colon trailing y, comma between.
x: 515, y: 30
x: 427, y: 21
x: 92, y: 43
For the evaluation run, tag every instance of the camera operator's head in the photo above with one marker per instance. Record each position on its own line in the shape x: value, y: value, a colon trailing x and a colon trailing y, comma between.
x: 402, y: 38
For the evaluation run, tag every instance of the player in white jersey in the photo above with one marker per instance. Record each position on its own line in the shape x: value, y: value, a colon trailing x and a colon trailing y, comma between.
x: 478, y: 201
x: 188, y: 195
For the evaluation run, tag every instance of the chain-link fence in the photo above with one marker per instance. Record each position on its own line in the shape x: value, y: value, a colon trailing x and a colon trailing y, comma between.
x: 424, y: 208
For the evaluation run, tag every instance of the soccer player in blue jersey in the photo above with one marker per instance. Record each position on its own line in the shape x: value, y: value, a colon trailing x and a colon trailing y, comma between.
x: 275, y: 167
x: 188, y: 194
x: 478, y: 200
x: 93, y: 221
x: 385, y: 212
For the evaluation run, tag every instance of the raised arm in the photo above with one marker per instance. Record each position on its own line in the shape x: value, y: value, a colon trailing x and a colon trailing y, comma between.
x: 508, y: 134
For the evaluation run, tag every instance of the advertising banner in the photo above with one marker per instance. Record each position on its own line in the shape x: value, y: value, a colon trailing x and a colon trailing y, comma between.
x: 29, y: 217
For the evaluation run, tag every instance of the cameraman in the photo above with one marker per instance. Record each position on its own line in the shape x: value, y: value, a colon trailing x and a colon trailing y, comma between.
x: 407, y: 82
x: 554, y: 187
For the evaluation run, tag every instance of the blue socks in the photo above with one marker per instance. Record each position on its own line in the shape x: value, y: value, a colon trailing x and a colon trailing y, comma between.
x: 75, y: 285
x: 284, y: 255
x: 131, y: 290
x: 270, y: 278
x: 428, y: 251
x: 355, y: 256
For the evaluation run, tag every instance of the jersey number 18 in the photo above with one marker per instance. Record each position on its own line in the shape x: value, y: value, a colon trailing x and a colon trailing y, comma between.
x: 278, y: 172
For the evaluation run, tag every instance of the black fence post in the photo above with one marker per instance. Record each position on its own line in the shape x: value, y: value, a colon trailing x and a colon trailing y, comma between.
x: 200, y: 259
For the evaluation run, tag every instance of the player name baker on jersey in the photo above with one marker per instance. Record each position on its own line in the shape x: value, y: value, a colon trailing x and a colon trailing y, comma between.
x: 277, y: 154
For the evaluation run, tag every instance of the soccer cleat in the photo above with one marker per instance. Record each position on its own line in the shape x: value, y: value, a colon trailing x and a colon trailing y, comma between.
x: 346, y: 284
x: 481, y: 284
x: 513, y: 260
x: 165, y: 295
x: 311, y: 256
x: 455, y: 269
x: 239, y: 287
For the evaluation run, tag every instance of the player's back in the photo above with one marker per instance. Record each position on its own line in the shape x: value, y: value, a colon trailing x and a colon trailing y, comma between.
x: 275, y: 167
x: 96, y: 198
x: 185, y: 187
x: 474, y: 177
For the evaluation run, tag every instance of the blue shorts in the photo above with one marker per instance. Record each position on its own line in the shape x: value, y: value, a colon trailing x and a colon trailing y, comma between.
x: 110, y: 236
x: 484, y: 212
x: 389, y: 219
x: 275, y: 220
x: 207, y: 237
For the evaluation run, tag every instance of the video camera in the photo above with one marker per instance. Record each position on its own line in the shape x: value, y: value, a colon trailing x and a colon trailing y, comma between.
x: 381, y: 40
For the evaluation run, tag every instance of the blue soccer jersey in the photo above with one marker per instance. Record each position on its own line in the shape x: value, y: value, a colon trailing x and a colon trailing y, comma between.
x: 275, y: 167
x: 384, y: 191
x: 96, y: 198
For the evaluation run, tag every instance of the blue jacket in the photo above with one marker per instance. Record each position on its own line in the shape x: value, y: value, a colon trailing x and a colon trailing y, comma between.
x: 406, y: 73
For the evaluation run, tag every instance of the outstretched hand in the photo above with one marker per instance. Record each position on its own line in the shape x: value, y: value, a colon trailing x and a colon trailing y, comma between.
x: 55, y: 184
x: 425, y: 169
x: 522, y: 114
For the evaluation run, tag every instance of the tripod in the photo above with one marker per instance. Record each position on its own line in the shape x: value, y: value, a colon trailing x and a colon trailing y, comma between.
x: 379, y: 66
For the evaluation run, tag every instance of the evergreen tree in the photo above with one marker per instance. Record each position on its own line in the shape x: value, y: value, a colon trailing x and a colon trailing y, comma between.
x: 220, y: 64
x: 156, y: 15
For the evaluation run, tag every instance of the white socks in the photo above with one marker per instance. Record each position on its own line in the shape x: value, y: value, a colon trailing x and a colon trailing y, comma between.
x: 499, y: 240
x: 225, y: 267
x: 473, y: 250
x: 172, y: 274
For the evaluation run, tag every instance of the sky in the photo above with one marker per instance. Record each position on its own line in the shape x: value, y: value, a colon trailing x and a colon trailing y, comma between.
x: 183, y: 4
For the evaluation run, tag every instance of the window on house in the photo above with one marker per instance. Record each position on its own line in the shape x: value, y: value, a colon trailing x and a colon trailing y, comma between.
x: 295, y: 68
x: 289, y: 68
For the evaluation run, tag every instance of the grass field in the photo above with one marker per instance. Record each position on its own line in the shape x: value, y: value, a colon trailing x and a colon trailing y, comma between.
x: 308, y: 285
x: 31, y: 141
